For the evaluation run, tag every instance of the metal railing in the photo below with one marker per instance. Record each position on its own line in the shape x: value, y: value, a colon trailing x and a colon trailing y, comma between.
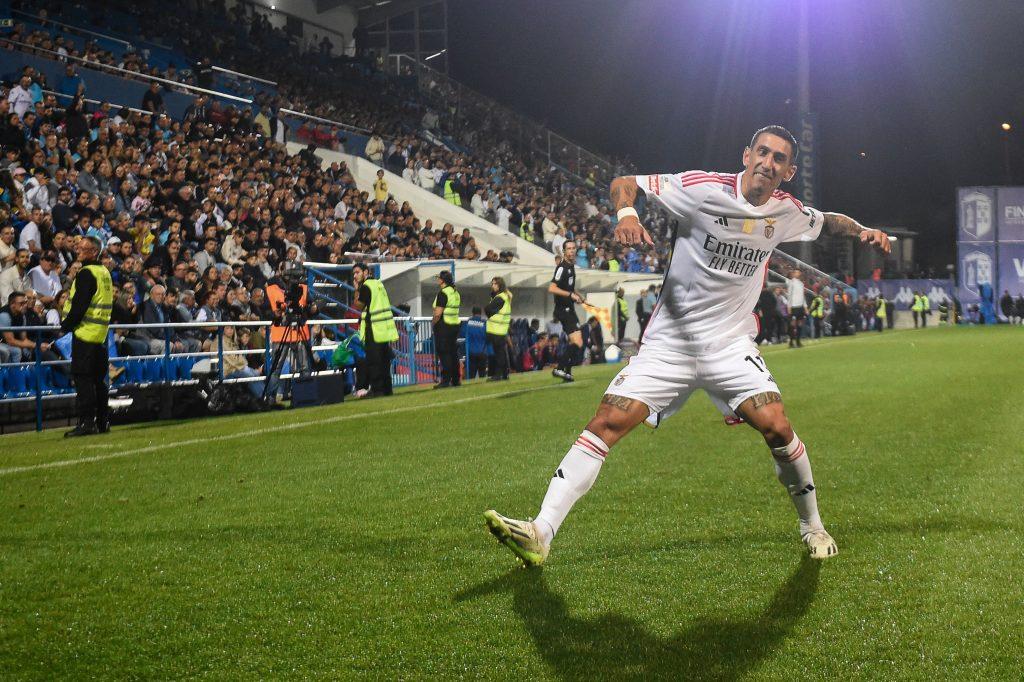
x: 414, y: 360
x: 74, y: 29
x: 133, y: 75
x: 246, y: 76
x: 96, y: 101
x: 456, y: 101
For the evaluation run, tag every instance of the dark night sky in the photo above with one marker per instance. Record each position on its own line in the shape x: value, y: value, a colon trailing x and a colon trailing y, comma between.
x: 921, y: 86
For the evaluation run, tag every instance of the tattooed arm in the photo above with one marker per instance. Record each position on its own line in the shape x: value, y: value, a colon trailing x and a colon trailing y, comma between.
x: 629, y: 231
x: 839, y: 224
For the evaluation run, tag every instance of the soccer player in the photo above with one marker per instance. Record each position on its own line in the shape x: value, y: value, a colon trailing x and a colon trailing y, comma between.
x: 700, y: 334
x: 563, y: 287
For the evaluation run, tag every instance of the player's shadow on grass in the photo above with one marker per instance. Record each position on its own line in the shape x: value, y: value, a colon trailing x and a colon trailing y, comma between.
x: 613, y: 646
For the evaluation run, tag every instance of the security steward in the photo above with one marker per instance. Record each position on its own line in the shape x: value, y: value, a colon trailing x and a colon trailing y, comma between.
x: 87, y: 315
x: 499, y: 316
x: 376, y: 327
x: 926, y: 309
x: 879, y: 313
x: 817, y: 313
x: 620, y: 300
x: 917, y: 309
x: 446, y: 330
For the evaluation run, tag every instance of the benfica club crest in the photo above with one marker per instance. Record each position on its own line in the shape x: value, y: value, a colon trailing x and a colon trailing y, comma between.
x: 769, y: 227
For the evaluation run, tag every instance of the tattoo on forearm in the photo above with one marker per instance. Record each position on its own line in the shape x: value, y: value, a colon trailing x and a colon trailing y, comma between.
x: 618, y: 401
x: 623, y: 192
x: 761, y: 399
x: 839, y: 224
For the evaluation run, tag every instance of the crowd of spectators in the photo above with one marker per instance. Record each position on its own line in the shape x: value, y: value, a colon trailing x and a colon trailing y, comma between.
x: 195, y: 215
x: 520, y: 193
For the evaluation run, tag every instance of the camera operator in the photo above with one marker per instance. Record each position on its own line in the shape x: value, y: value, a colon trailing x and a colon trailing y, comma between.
x: 288, y: 297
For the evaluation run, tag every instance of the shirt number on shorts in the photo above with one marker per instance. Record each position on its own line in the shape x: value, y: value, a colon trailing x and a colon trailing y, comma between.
x: 758, y: 362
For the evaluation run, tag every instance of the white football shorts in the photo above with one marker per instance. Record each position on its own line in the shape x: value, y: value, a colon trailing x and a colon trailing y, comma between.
x: 663, y: 380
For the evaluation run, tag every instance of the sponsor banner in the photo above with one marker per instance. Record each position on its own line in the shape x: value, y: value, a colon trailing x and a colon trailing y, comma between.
x: 901, y: 291
x: 1011, y: 269
x: 976, y: 266
x: 805, y: 183
x: 976, y: 208
x: 1010, y: 203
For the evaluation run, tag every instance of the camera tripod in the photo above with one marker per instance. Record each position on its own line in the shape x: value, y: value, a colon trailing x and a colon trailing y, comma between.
x: 293, y: 348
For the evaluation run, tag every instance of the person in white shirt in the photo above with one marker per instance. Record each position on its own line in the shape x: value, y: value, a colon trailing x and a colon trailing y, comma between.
x: 425, y: 176
x: 375, y: 149
x: 15, y: 278
x: 45, y: 278
x: 503, y: 215
x: 37, y: 190
x: 558, y: 241
x: 797, y: 307
x: 409, y: 173
x: 31, y: 237
x: 20, y: 98
x: 700, y: 335
x: 477, y: 205
x: 8, y: 250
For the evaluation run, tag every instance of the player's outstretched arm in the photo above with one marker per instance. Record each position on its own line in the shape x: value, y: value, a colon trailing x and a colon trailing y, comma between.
x: 839, y: 224
x: 629, y: 231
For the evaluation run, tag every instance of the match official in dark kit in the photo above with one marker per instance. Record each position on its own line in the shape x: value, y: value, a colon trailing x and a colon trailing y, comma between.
x: 446, y: 329
x: 87, y: 315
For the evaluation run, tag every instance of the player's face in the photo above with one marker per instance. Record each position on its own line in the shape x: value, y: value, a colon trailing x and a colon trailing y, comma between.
x: 569, y: 251
x: 769, y: 162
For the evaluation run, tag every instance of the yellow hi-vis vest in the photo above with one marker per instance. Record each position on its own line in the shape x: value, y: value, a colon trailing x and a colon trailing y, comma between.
x: 818, y: 307
x: 497, y: 323
x: 451, y: 309
x: 880, y: 312
x: 623, y: 308
x: 613, y: 265
x: 525, y: 232
x: 450, y: 195
x: 925, y: 304
x: 917, y: 307
x: 93, y: 328
x: 382, y: 321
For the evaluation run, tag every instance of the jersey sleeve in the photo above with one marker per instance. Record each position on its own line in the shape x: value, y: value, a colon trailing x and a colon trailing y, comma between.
x: 557, y: 277
x: 680, y: 193
x: 799, y: 223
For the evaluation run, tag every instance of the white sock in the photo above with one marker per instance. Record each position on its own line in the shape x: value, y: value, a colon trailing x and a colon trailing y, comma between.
x: 573, y: 478
x: 793, y: 469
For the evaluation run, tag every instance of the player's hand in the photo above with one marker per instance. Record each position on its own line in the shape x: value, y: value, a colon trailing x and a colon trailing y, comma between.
x: 877, y: 238
x: 630, y: 232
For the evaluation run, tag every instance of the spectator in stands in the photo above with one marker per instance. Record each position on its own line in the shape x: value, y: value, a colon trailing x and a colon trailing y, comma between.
x: 375, y: 149
x: 20, y: 98
x: 8, y: 251
x: 37, y: 190
x: 71, y: 84
x: 16, y: 278
x: 45, y: 278
x: 17, y: 345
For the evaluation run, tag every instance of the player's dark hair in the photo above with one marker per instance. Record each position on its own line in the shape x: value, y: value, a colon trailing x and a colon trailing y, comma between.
x: 778, y: 131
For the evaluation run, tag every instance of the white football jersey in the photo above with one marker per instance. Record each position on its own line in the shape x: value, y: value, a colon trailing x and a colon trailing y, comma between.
x: 719, y: 256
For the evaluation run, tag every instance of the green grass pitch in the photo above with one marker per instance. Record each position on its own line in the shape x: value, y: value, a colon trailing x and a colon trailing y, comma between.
x: 351, y: 542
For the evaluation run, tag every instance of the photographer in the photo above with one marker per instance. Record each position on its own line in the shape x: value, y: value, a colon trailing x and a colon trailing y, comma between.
x: 288, y: 298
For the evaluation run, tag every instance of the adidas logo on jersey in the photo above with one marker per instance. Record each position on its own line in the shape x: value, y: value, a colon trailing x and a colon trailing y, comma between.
x: 723, y: 221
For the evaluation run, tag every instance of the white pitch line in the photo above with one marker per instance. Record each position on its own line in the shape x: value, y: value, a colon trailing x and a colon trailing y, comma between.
x: 270, y: 429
